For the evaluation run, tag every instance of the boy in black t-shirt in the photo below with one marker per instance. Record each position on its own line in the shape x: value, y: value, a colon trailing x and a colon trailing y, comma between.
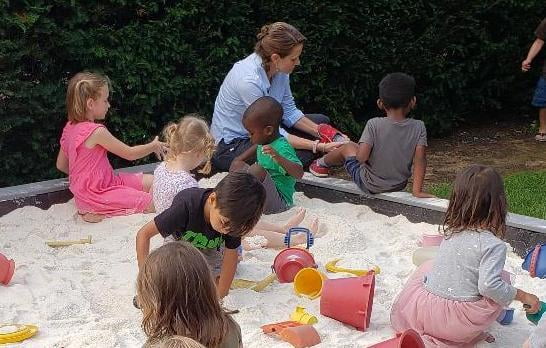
x: 207, y: 218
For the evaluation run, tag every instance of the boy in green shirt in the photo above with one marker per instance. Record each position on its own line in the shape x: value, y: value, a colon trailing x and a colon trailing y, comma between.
x: 277, y: 165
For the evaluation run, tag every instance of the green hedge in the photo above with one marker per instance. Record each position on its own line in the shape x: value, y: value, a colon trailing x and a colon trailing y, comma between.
x: 166, y: 58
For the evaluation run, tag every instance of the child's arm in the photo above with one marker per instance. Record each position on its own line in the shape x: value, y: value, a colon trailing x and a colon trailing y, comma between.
x: 292, y: 168
x: 533, y: 51
x: 104, y: 138
x: 419, y: 168
x: 249, y: 155
x: 528, y: 299
x: 62, y: 162
x: 363, y: 152
x: 143, y: 241
x: 227, y: 273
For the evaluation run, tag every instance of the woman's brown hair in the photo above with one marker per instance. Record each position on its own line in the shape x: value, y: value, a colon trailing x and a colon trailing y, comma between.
x: 81, y: 87
x: 178, y: 297
x: 279, y: 38
x: 477, y: 202
x: 189, y: 134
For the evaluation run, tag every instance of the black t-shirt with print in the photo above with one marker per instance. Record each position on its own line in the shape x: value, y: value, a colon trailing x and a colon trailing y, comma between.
x: 185, y: 220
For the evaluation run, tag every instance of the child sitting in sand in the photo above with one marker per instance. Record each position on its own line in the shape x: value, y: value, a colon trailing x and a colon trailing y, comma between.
x: 388, y: 147
x: 177, y: 296
x: 98, y: 191
x: 538, y: 337
x: 189, y: 145
x: 451, y: 300
x: 208, y: 218
x: 277, y: 165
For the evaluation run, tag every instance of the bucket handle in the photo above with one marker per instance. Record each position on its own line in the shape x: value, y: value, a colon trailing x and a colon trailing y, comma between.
x: 534, y: 259
x: 295, y: 230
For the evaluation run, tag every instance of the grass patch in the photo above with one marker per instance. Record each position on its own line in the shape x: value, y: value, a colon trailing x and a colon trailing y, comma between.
x: 525, y: 192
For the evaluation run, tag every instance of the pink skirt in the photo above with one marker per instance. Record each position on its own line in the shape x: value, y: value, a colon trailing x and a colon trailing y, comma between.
x: 439, y: 321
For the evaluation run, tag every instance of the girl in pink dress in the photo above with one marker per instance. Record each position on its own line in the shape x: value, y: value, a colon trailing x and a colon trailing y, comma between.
x: 451, y: 300
x: 98, y: 191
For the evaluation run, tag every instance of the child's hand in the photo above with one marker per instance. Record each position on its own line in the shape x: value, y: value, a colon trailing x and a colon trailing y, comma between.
x: 526, y: 65
x: 268, y: 150
x: 160, y: 148
x: 531, y: 303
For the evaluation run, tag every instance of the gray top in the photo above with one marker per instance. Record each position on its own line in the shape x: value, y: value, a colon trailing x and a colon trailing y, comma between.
x: 468, y: 267
x: 538, y: 337
x: 393, y: 147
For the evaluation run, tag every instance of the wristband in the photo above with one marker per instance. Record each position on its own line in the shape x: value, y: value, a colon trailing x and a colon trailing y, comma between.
x: 315, y: 144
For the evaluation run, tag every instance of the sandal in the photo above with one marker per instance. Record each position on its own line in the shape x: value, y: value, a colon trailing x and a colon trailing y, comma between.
x: 540, y: 137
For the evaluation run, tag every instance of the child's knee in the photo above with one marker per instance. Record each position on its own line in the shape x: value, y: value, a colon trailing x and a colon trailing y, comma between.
x: 349, y: 150
x: 258, y: 171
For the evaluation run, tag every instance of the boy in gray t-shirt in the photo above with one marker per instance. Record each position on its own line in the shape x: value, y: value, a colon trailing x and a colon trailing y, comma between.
x: 382, y: 160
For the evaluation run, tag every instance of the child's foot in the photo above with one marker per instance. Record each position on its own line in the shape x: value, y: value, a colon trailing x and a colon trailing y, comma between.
x: 295, y: 220
x: 314, y: 227
x: 92, y: 218
x: 317, y: 170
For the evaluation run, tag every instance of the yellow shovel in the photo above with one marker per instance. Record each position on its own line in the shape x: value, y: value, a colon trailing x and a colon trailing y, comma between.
x: 257, y: 286
x: 331, y: 267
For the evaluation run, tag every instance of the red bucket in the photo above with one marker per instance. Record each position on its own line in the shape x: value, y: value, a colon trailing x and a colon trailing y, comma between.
x: 406, y: 339
x: 290, y: 261
x: 7, y: 267
x: 349, y: 300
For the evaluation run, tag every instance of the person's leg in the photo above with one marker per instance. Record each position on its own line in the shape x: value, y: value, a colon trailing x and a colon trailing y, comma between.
x: 224, y: 153
x: 273, y: 201
x: 542, y: 120
x: 293, y: 221
x: 333, y: 158
x: 276, y: 240
x: 147, y: 181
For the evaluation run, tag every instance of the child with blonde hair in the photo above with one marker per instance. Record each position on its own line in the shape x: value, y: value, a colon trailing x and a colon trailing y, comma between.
x: 180, y: 342
x: 451, y: 300
x: 177, y: 296
x: 98, y: 191
x: 190, y: 145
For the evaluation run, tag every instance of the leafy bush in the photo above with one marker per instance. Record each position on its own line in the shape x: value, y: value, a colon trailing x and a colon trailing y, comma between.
x: 167, y: 58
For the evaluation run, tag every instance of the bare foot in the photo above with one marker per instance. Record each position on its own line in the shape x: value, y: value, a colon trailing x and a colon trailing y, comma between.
x: 314, y: 227
x: 92, y: 218
x: 295, y: 219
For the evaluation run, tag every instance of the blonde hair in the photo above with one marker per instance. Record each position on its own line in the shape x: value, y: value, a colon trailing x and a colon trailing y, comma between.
x: 179, y: 342
x: 279, y: 38
x: 81, y: 87
x: 189, y: 134
x: 477, y: 201
x: 178, y: 297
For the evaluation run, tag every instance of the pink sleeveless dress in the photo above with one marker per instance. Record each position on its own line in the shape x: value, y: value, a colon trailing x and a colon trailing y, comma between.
x: 96, y: 188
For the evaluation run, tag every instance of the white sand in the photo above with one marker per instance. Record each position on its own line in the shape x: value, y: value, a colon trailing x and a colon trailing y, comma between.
x: 82, y: 295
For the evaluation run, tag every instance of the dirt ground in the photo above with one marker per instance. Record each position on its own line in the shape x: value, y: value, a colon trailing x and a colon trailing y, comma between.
x: 508, y: 146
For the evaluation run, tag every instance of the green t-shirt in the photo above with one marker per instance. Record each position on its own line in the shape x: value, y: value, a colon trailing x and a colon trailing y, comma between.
x: 283, y: 181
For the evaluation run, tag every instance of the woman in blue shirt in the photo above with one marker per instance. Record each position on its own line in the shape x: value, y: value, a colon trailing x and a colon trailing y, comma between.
x: 266, y: 72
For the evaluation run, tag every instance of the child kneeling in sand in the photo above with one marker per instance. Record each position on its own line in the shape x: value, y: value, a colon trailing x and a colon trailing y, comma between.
x: 208, y: 218
x: 177, y: 296
x: 277, y: 165
x: 389, y: 146
x: 451, y: 300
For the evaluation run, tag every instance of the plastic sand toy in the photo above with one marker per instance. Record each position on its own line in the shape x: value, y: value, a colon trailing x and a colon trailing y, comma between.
x: 303, y: 317
x: 308, y: 282
x: 7, y: 268
x: 63, y: 243
x: 257, y: 286
x: 331, y: 267
x: 12, y: 333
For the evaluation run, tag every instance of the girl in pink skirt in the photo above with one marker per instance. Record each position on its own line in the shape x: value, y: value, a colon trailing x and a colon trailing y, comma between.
x: 451, y: 300
x: 98, y: 191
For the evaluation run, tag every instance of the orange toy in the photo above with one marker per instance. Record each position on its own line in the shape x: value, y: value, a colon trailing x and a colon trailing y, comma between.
x: 298, y: 335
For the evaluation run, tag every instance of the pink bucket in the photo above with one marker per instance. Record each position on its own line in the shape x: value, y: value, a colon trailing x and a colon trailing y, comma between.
x: 290, y: 261
x: 349, y: 300
x: 432, y: 239
x: 406, y: 339
x: 7, y: 267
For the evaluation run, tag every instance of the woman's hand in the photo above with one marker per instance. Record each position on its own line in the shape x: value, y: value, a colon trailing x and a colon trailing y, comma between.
x: 327, y: 147
x: 159, y: 148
